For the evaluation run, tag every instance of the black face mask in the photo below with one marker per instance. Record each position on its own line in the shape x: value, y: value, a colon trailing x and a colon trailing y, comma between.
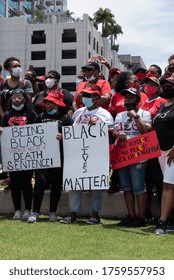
x: 168, y: 91
x: 130, y: 106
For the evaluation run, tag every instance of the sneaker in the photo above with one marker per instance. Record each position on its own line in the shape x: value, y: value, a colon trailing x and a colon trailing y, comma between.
x: 160, y: 228
x: 52, y: 217
x: 126, y: 222
x: 138, y: 222
x: 26, y: 215
x: 17, y: 215
x: 33, y: 218
x: 93, y: 221
x: 68, y: 220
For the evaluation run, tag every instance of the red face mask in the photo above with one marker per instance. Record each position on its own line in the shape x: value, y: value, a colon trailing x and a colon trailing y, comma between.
x: 150, y: 90
x: 140, y: 76
x: 149, y: 74
x: 134, y: 85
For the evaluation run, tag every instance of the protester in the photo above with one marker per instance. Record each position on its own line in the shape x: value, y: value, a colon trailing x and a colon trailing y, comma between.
x: 129, y: 124
x: 90, y: 114
x: 80, y: 78
x: 52, y: 83
x: 153, y: 173
x: 52, y: 177
x: 32, y: 77
x: 139, y: 71
x: 92, y: 71
x: 13, y: 66
x: 163, y: 124
x: 20, y: 112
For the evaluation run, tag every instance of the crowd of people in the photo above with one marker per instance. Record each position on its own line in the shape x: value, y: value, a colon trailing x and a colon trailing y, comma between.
x: 131, y: 102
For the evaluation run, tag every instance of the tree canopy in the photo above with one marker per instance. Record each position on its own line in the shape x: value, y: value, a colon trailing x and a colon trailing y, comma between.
x: 110, y: 28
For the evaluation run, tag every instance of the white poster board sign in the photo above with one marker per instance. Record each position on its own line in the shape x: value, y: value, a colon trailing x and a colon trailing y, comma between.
x: 86, y: 157
x: 29, y: 147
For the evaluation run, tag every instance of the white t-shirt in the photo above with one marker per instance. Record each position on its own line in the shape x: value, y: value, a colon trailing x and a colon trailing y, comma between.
x: 83, y: 116
x: 128, y: 125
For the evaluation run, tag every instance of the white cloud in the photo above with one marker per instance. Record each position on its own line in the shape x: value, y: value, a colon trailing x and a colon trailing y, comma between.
x: 147, y: 26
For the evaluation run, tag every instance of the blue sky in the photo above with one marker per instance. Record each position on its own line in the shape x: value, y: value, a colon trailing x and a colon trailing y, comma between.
x: 147, y: 26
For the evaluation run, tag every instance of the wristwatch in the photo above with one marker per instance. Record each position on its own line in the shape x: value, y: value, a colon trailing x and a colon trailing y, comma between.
x: 136, y: 117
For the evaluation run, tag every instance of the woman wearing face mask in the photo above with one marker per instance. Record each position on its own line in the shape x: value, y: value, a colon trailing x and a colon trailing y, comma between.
x: 52, y: 84
x: 163, y: 124
x: 91, y: 71
x: 153, y: 173
x: 89, y: 114
x: 20, y: 112
x: 51, y: 177
x: 129, y: 124
x: 13, y: 66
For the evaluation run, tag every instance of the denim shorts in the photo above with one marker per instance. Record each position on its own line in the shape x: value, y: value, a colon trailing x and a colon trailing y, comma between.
x: 132, y: 177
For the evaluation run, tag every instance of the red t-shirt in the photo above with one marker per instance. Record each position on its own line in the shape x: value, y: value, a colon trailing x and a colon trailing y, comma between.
x: 103, y: 84
x: 153, y: 105
x: 117, y: 102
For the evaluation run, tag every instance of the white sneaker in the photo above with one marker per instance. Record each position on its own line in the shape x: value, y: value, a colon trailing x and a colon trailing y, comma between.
x: 33, y: 217
x: 52, y: 217
x: 17, y: 215
x: 26, y: 215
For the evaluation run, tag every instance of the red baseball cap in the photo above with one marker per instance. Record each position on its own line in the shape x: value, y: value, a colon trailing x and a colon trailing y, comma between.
x: 92, y: 89
x: 56, y: 97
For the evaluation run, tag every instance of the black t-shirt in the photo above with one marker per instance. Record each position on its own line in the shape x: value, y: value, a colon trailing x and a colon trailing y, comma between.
x: 164, y: 126
x: 39, y: 105
x: 13, y: 117
x: 6, y: 91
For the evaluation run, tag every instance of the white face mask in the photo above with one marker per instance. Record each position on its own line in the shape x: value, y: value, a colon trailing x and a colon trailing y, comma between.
x: 18, y: 108
x: 50, y: 83
x: 90, y: 79
x: 16, y: 71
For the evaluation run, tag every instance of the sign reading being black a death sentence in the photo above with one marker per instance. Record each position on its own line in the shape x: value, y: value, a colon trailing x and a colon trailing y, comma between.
x: 86, y: 157
x: 30, y: 147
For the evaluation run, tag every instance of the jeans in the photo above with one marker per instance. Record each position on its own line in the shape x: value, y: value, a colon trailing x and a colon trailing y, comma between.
x: 75, y: 198
x: 132, y: 177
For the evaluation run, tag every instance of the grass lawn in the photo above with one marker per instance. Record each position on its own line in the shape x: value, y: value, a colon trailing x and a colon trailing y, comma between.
x: 56, y: 241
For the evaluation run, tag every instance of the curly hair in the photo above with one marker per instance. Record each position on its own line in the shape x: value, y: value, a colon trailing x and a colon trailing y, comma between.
x: 122, y: 78
x: 8, y: 61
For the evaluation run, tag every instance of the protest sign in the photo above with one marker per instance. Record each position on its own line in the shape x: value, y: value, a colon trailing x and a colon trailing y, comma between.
x: 86, y: 157
x: 137, y: 149
x: 29, y: 147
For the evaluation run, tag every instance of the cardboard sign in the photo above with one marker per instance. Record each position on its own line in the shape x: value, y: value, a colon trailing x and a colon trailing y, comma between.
x: 29, y: 147
x: 137, y: 149
x: 86, y: 157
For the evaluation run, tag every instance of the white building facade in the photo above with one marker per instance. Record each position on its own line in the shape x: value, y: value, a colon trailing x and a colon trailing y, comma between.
x: 56, y: 42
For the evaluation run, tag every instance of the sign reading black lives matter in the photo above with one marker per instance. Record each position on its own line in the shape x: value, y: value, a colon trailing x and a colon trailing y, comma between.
x: 86, y: 157
x: 30, y: 147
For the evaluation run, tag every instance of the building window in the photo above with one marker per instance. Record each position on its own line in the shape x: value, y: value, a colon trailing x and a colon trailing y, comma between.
x: 68, y: 36
x: 69, y: 70
x: 68, y: 54
x: 97, y: 47
x: 69, y: 86
x: 94, y: 43
x: 89, y: 55
x: 38, y: 37
x: 101, y: 50
x: 38, y: 55
x: 89, y: 38
x: 40, y: 71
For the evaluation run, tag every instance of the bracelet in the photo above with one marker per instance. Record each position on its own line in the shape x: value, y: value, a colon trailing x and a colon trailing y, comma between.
x: 136, y: 117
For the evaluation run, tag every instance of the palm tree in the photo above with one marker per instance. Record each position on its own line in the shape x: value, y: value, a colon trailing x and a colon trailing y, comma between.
x: 69, y: 14
x: 110, y: 28
x: 104, y: 17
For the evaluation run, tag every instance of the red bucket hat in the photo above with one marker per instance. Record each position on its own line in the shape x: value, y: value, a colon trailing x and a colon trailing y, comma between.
x: 56, y: 97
